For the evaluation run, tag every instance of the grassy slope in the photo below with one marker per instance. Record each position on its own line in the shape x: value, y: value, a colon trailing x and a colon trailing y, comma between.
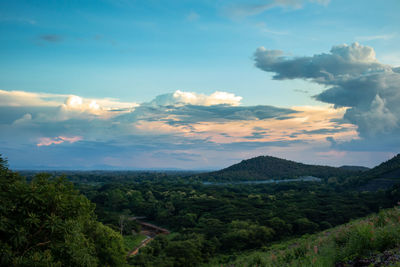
x: 358, y: 239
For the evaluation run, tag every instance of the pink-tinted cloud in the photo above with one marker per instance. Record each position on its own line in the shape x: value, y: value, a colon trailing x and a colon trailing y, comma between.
x: 313, y: 124
x: 47, y: 141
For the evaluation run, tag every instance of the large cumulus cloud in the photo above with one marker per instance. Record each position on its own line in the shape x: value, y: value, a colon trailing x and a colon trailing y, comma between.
x: 184, y: 108
x: 37, y: 130
x: 353, y: 77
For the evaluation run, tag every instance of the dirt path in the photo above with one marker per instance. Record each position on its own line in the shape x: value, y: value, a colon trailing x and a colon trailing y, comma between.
x: 142, y: 244
x: 150, y: 231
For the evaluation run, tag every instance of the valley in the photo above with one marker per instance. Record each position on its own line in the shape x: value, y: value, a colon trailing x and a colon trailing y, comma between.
x: 217, y: 218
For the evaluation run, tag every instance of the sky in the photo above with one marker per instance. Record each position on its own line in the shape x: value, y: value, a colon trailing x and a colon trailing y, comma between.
x: 128, y: 84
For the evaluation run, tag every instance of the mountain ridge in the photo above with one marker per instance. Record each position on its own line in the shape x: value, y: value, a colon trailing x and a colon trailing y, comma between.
x: 268, y: 167
x: 387, y: 169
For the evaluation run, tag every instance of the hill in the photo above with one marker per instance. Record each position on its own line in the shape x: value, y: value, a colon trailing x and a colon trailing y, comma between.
x: 387, y: 169
x: 354, y: 168
x: 267, y: 167
x: 383, y: 176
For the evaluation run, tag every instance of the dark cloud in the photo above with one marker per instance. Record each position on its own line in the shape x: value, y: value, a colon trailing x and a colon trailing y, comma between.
x: 331, y: 140
x: 284, y: 118
x: 10, y: 114
x: 188, y: 114
x: 230, y: 113
x: 388, y: 143
x: 342, y: 63
x: 51, y: 38
x: 354, y: 79
x: 257, y: 135
x: 324, y: 131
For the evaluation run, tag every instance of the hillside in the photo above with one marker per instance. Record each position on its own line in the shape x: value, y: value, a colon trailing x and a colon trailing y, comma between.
x: 383, y: 176
x: 370, y: 241
x: 267, y: 167
x: 387, y: 169
x: 354, y: 168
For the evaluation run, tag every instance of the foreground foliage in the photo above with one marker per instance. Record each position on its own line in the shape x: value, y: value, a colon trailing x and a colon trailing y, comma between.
x: 346, y: 244
x: 48, y: 223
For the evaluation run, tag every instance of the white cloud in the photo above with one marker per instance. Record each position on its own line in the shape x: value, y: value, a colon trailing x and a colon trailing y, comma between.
x: 378, y: 118
x: 180, y: 98
x: 354, y: 53
x: 69, y: 106
x: 76, y: 103
x: 28, y: 99
x: 27, y: 118
x: 99, y: 107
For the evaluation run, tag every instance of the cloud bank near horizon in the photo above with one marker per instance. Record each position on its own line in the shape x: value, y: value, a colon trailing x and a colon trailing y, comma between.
x: 191, y: 130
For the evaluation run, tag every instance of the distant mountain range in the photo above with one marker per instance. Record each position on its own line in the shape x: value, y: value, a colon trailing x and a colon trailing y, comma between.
x: 267, y: 167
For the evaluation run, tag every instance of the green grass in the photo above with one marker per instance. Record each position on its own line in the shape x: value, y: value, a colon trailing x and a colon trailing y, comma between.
x: 132, y: 241
x: 358, y: 239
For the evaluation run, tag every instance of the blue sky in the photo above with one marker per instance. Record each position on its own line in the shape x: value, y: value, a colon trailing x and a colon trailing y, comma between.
x: 122, y: 55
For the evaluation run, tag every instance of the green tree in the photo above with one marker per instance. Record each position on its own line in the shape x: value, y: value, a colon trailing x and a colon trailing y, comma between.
x: 47, y: 222
x: 304, y: 225
x: 280, y: 227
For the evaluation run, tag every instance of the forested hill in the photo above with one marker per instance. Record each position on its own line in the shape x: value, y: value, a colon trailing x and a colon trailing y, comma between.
x: 267, y: 167
x: 383, y: 176
x: 387, y: 169
x: 354, y: 168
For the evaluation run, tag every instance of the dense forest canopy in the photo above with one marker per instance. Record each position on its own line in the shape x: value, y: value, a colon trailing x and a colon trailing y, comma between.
x: 216, y: 220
